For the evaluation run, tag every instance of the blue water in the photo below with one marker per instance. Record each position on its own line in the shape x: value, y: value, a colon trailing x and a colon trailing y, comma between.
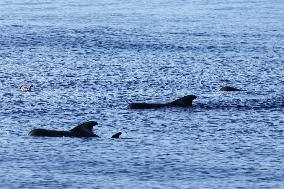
x: 88, y: 59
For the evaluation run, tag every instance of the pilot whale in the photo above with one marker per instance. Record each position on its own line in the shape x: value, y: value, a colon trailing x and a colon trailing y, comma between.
x: 228, y: 88
x: 82, y: 130
x: 185, y: 101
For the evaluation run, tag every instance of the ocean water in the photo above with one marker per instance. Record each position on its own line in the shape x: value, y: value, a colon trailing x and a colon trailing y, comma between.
x: 88, y: 59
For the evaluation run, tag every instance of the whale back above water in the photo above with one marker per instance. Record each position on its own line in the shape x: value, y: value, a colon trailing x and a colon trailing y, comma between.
x: 228, y: 88
x: 185, y: 101
x: 143, y: 105
x: 83, y: 130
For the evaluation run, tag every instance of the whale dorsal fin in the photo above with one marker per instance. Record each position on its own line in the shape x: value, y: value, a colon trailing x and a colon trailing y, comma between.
x: 85, y: 129
x: 184, y: 101
x: 116, y: 135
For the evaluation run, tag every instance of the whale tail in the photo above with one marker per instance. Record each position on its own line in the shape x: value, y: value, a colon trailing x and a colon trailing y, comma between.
x: 85, y: 129
x: 116, y: 135
x: 183, y: 101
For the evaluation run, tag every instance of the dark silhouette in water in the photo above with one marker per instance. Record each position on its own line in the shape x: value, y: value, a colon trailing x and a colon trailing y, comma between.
x: 185, y: 101
x: 228, y: 88
x: 26, y: 88
x: 116, y: 135
x: 83, y: 130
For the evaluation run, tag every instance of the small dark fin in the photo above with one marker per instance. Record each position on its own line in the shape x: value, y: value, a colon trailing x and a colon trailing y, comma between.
x: 116, y: 135
x: 228, y: 88
x: 183, y: 101
x: 85, y: 129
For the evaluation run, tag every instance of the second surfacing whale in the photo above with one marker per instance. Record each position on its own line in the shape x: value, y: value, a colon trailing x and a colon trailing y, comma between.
x: 185, y: 101
x: 82, y: 130
x: 228, y: 89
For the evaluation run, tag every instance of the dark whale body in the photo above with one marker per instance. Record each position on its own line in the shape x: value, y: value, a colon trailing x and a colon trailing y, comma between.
x: 228, y: 88
x: 185, y: 101
x: 83, y: 130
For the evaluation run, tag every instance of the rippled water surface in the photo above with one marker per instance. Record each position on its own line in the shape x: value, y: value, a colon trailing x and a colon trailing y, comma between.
x: 88, y: 59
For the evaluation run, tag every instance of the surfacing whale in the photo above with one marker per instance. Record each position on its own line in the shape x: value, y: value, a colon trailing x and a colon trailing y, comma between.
x: 228, y: 88
x: 82, y: 130
x: 185, y: 101
x: 26, y: 88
